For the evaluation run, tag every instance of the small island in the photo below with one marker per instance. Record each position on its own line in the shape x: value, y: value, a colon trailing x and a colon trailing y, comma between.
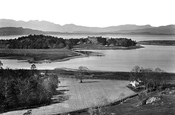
x: 45, y: 48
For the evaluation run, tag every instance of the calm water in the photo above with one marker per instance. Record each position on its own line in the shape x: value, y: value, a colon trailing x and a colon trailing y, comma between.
x: 114, y: 60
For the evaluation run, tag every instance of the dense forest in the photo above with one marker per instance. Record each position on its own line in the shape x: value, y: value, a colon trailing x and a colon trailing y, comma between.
x: 25, y: 88
x: 51, y: 42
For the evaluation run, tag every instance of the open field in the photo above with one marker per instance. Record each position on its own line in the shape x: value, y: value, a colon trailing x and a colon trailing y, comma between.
x: 77, y: 95
x: 37, y: 55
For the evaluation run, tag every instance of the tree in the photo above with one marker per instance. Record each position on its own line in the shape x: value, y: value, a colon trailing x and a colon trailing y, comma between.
x: 158, y: 70
x: 1, y: 64
x: 11, y: 94
x: 68, y: 46
x: 147, y: 76
x: 19, y: 88
x: 151, y: 79
x: 80, y: 74
x: 33, y: 67
x: 136, y: 69
x: 161, y: 77
x: 101, y: 40
x: 134, y: 73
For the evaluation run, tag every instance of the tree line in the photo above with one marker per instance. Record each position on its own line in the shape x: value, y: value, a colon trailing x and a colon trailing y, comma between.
x: 51, y: 42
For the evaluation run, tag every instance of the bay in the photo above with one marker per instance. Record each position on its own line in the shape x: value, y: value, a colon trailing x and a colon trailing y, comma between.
x: 114, y: 60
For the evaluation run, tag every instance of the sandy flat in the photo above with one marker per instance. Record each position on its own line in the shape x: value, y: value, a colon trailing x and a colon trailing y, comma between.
x: 83, y: 95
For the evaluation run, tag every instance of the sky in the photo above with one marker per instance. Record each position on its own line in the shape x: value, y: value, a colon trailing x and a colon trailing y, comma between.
x: 92, y: 13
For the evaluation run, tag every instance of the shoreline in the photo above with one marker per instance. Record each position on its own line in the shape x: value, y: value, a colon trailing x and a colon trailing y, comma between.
x: 46, y: 55
x: 81, y: 54
x: 30, y: 59
x: 109, y: 48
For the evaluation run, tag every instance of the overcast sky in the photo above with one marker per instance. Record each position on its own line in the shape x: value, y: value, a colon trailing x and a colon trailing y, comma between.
x: 94, y: 13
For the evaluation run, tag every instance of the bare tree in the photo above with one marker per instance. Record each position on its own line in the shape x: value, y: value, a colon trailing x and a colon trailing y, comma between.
x: 136, y: 69
x: 134, y: 73
x: 158, y: 70
x: 161, y: 79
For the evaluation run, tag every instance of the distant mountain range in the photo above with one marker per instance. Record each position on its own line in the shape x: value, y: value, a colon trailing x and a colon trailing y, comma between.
x: 6, y: 31
x: 12, y: 27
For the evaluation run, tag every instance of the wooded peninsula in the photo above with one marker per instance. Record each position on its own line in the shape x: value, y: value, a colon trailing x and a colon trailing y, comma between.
x: 43, y: 48
x: 51, y: 42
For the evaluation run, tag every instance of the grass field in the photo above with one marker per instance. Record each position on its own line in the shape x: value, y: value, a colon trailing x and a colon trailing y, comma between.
x: 78, y: 96
x: 164, y: 106
x: 37, y: 55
